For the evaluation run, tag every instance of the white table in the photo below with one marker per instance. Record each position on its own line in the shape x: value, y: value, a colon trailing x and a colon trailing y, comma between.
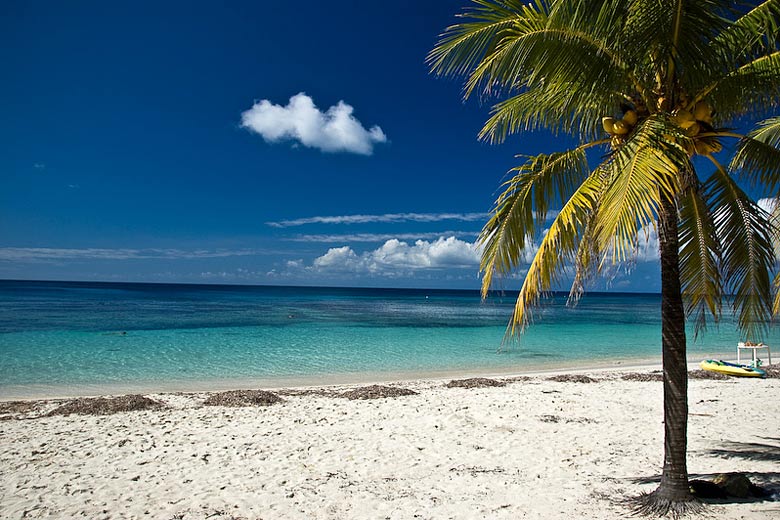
x: 753, y: 348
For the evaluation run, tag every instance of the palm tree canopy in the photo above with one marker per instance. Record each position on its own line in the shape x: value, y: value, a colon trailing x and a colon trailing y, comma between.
x: 657, y: 83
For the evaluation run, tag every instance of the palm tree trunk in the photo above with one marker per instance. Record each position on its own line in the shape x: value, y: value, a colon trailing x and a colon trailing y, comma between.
x: 673, y: 496
x: 674, y: 481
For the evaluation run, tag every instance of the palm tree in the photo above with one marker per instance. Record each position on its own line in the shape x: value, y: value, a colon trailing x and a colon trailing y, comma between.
x: 655, y: 84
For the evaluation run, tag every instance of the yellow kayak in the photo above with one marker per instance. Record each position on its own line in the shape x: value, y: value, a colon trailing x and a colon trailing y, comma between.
x: 731, y: 369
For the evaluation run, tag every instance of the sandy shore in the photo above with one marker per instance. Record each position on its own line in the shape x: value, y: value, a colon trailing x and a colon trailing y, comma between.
x: 535, y: 448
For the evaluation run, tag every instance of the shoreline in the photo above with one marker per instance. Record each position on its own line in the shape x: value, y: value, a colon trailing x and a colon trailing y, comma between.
x: 53, y: 392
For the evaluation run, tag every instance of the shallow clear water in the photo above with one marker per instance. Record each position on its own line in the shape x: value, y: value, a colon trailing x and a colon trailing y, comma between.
x: 69, y: 334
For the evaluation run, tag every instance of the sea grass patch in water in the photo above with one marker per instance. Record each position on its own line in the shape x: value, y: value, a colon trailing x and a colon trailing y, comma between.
x: 474, y: 382
x: 706, y: 374
x: 107, y: 405
x: 377, y: 392
x: 643, y: 377
x: 572, y: 378
x: 243, y: 398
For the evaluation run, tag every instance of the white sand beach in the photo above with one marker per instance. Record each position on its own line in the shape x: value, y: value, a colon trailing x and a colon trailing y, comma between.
x: 535, y: 448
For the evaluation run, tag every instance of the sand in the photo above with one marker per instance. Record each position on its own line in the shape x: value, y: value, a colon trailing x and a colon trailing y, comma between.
x: 534, y: 448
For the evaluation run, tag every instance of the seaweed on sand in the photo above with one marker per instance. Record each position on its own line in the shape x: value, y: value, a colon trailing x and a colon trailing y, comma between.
x: 572, y: 378
x: 377, y: 392
x: 642, y: 376
x: 772, y: 371
x: 106, y: 405
x: 15, y: 409
x: 706, y: 374
x: 474, y: 382
x: 243, y: 398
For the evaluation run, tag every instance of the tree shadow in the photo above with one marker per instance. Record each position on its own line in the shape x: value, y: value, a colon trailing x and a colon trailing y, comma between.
x: 748, y: 451
x: 769, y: 481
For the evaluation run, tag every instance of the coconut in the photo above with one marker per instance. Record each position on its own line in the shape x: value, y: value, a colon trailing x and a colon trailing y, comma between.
x: 683, y: 119
x: 630, y: 117
x: 682, y: 115
x: 693, y: 130
x: 609, y: 124
x: 702, y: 111
x: 621, y: 127
x: 663, y: 104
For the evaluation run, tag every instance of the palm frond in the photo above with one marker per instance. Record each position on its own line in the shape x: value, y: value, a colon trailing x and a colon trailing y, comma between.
x: 522, y: 49
x: 523, y: 205
x: 555, y: 250
x: 699, y: 259
x: 643, y: 172
x: 747, y: 256
x: 752, y: 34
x: 462, y: 47
x: 757, y: 158
x: 564, y: 111
x: 587, y: 261
x: 751, y: 88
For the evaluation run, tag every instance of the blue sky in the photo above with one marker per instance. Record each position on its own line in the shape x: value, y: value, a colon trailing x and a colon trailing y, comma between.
x: 300, y: 143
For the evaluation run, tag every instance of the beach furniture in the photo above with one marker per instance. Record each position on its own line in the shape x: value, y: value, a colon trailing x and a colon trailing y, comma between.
x: 753, y: 347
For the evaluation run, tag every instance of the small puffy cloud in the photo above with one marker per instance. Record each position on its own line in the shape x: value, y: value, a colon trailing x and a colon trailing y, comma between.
x: 337, y: 257
x: 335, y: 130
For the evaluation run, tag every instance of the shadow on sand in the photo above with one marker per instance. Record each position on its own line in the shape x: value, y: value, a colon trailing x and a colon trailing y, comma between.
x: 768, y: 482
x: 757, y: 451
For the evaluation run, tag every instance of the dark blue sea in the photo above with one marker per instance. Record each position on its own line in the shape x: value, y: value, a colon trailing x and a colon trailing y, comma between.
x: 74, y: 337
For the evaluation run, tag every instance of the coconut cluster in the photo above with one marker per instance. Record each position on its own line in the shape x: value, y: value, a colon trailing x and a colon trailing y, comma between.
x: 692, y: 120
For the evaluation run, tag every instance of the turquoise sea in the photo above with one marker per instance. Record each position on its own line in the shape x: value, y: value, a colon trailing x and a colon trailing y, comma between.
x: 72, y: 337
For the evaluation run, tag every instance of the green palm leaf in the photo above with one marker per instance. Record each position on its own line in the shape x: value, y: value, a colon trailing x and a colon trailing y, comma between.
x: 757, y: 157
x: 753, y: 87
x: 642, y: 172
x: 748, y: 256
x: 512, y: 229
x: 699, y: 258
x: 554, y: 251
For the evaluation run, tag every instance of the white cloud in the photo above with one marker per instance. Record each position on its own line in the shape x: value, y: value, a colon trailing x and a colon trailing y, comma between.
x: 384, y: 218
x: 335, y: 130
x: 647, y: 247
x: 236, y: 275
x: 395, y: 255
x: 337, y: 257
x: 768, y: 205
x: 379, y: 237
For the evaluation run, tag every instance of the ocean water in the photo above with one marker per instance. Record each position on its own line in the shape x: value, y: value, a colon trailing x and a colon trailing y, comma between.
x: 66, y: 336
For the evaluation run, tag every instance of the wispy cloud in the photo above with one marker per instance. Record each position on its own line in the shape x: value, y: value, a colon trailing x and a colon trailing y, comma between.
x: 384, y: 218
x: 44, y: 254
x: 335, y: 130
x: 379, y: 237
